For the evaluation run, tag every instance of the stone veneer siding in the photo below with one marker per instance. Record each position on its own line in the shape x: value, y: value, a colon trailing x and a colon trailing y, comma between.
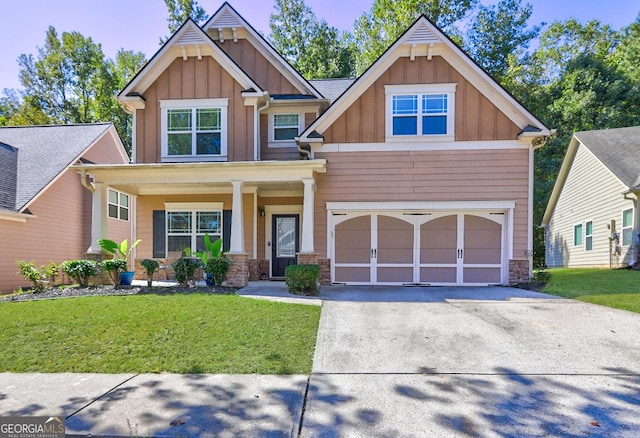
x: 238, y: 275
x: 518, y: 271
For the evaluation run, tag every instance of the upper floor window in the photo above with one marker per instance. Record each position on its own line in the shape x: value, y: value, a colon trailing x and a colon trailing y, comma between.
x: 118, y: 205
x: 284, y: 128
x: 194, y: 129
x: 420, y: 112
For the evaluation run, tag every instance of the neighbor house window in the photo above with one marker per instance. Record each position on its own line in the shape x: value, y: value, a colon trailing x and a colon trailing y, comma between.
x: 186, y: 229
x: 420, y: 111
x: 118, y: 205
x: 577, y: 235
x: 588, y: 236
x: 627, y: 227
x: 194, y: 129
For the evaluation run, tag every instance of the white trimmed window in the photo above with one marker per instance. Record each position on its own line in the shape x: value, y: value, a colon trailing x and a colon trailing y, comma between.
x: 186, y: 228
x: 284, y: 128
x: 194, y: 129
x: 588, y: 236
x: 627, y: 227
x: 118, y: 205
x: 420, y: 112
x: 577, y: 235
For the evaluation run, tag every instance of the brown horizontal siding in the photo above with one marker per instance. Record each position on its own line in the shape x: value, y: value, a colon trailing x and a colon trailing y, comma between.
x: 257, y: 67
x: 484, y: 175
x: 476, y: 117
x: 193, y: 79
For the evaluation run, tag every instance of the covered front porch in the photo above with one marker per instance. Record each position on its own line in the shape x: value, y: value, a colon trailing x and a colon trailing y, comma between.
x: 263, y: 211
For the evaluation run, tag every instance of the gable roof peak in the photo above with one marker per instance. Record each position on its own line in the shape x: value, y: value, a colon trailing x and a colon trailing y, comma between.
x: 422, y: 32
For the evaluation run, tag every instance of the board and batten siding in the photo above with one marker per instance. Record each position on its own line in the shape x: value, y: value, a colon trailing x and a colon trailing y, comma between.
x: 461, y: 175
x: 194, y: 79
x: 591, y: 192
x: 476, y: 117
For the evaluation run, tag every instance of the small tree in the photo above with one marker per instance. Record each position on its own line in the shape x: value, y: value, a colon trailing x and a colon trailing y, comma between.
x: 150, y: 266
x: 184, y: 268
x: 31, y: 273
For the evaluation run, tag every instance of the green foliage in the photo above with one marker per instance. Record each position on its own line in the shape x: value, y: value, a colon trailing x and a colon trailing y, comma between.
x: 113, y: 267
x: 302, y: 279
x: 377, y: 29
x: 37, y: 276
x: 158, y: 333
x: 150, y: 266
x: 121, y: 250
x: 217, y: 268
x: 184, y: 269
x: 212, y: 249
x: 180, y: 10
x: 80, y: 271
x: 311, y: 46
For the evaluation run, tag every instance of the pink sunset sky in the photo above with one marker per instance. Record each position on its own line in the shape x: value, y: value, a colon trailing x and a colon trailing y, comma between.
x: 138, y: 24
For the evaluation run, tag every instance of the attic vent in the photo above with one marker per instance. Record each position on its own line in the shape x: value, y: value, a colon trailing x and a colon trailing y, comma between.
x: 191, y: 36
x: 226, y: 19
x: 422, y: 34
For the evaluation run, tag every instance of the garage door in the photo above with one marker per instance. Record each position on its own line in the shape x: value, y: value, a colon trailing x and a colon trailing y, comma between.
x: 453, y: 248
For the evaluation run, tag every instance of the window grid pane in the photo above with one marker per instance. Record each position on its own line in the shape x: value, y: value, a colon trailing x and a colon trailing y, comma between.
x: 208, y: 144
x: 208, y: 222
x: 179, y: 120
x: 405, y: 105
x: 286, y: 120
x: 285, y: 133
x: 113, y: 196
x: 434, y: 104
x: 179, y: 222
x: 208, y: 119
x: 577, y: 235
x: 627, y: 218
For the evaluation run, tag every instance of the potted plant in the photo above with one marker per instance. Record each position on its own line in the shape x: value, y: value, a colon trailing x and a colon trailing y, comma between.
x: 114, y: 267
x: 216, y: 269
x: 121, y: 251
x: 151, y: 266
x: 213, y: 250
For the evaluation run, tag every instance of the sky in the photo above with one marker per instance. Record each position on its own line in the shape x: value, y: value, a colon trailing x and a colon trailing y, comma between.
x: 139, y: 24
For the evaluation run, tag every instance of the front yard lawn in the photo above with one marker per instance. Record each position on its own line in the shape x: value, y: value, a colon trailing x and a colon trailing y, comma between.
x: 194, y: 333
x: 613, y: 288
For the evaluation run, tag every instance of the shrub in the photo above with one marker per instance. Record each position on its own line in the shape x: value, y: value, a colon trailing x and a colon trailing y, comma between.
x: 302, y: 279
x: 150, y: 266
x: 184, y: 268
x: 80, y: 270
x: 50, y: 271
x: 217, y: 268
x: 113, y: 267
x: 30, y: 272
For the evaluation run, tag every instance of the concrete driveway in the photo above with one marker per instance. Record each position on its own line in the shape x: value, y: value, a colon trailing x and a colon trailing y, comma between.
x: 472, y: 362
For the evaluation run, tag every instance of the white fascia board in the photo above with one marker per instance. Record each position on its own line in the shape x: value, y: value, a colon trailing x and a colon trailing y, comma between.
x: 14, y: 216
x: 421, y: 205
x: 416, y: 146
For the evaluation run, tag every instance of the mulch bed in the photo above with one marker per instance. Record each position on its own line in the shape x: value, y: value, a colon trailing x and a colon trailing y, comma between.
x: 107, y: 290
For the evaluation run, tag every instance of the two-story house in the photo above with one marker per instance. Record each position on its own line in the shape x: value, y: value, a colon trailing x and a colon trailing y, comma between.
x: 418, y: 172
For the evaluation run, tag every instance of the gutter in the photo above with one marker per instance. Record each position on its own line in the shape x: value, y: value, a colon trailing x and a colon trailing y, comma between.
x: 256, y: 125
x: 84, y: 179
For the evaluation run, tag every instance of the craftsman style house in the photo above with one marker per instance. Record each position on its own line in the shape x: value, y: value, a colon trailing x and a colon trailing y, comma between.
x: 418, y: 172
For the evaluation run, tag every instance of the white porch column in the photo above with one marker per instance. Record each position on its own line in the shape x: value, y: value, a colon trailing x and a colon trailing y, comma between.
x: 237, y: 222
x: 307, y: 216
x: 98, y: 217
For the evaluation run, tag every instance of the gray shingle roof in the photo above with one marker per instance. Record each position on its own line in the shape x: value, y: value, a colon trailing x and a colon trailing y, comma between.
x: 45, y: 151
x: 331, y: 88
x: 618, y: 149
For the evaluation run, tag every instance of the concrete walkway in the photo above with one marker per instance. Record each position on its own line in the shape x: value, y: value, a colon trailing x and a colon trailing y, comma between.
x: 437, y: 362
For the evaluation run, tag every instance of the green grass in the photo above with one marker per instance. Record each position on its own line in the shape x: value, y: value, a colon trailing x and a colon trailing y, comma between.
x: 613, y: 288
x: 195, y: 333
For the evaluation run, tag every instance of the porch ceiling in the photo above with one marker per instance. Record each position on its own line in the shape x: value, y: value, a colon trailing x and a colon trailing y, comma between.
x: 191, y: 178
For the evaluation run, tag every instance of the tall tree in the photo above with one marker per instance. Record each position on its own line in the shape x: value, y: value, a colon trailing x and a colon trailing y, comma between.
x: 499, y: 35
x: 311, y: 46
x: 377, y: 29
x: 180, y: 10
x: 627, y: 53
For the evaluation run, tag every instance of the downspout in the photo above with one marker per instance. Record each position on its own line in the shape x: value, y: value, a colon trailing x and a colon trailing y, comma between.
x: 256, y: 125
x: 84, y: 179
x: 634, y: 258
x: 306, y: 153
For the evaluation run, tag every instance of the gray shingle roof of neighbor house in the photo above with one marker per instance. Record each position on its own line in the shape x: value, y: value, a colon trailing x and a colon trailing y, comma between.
x: 331, y: 88
x: 618, y: 149
x: 44, y: 152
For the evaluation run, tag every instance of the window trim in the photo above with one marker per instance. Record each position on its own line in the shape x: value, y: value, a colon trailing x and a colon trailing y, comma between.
x: 193, y: 105
x: 272, y: 142
x: 193, y: 208
x: 622, y: 228
x: 118, y: 205
x: 588, y: 236
x: 581, y: 244
x: 420, y: 90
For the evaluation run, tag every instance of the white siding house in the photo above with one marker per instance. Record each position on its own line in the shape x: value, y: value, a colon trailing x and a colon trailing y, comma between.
x: 591, y: 218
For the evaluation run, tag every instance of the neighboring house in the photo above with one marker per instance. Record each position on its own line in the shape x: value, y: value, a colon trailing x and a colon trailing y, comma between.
x: 420, y: 171
x: 44, y: 210
x: 592, y: 216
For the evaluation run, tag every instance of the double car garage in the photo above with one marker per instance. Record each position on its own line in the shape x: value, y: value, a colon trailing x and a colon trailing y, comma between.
x: 428, y: 246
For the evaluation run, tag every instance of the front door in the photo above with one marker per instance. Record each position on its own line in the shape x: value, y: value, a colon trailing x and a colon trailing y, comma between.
x: 285, y: 242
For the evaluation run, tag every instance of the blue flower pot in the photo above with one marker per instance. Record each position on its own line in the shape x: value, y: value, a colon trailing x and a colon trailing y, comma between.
x: 209, y: 280
x: 126, y: 278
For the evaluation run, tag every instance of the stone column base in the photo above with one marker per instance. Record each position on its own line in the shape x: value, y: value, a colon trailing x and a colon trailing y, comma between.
x: 238, y: 275
x: 325, y: 272
x: 307, y: 258
x: 518, y: 271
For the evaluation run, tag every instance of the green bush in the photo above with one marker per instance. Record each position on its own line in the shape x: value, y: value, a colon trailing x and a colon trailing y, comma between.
x: 113, y: 267
x: 302, y: 279
x: 151, y: 266
x: 217, y: 268
x: 184, y: 268
x: 80, y: 270
x: 37, y: 276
